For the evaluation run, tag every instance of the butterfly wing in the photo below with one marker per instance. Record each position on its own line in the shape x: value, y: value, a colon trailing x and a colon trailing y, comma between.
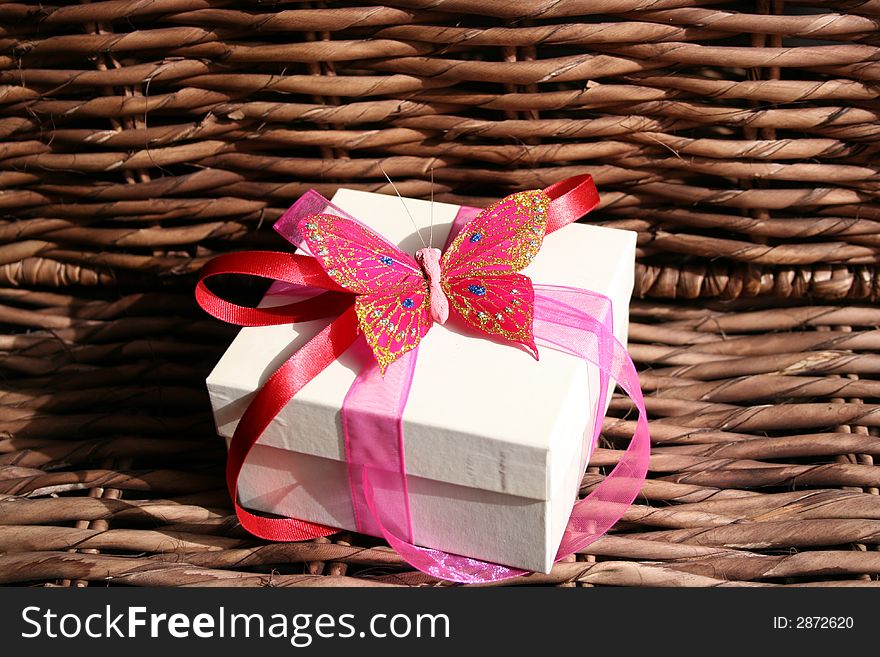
x: 503, y: 238
x: 501, y: 305
x: 394, y: 321
x: 392, y: 304
x: 479, y: 268
x: 355, y: 257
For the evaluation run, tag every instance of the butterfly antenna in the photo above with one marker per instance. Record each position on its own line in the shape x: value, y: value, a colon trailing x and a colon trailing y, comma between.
x: 431, y: 235
x: 418, y: 232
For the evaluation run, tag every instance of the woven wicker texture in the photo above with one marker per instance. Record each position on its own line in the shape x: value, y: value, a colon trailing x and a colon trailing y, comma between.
x: 140, y: 137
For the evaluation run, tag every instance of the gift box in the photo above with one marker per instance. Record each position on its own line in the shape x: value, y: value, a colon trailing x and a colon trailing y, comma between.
x: 496, y: 441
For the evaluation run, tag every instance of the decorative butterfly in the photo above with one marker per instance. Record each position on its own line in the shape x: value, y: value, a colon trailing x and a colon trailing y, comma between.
x: 401, y: 296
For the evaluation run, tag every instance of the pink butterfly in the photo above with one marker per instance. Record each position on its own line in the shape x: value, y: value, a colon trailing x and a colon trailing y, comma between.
x: 401, y: 296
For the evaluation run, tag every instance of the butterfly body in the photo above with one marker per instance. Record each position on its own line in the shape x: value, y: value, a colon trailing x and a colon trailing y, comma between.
x: 429, y: 259
x: 399, y: 296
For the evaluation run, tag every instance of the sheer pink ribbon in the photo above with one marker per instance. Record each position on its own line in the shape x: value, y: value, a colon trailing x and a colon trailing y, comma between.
x: 571, y: 320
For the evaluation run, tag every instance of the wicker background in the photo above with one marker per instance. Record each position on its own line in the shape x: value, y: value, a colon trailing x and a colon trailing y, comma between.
x: 140, y: 137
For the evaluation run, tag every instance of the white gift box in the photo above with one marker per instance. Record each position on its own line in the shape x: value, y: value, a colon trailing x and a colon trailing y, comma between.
x: 495, y: 443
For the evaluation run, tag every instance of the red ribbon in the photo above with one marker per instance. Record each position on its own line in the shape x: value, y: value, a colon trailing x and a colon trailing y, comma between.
x: 570, y: 199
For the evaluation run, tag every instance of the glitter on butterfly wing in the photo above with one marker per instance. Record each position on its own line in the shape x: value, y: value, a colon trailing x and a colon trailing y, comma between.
x: 394, y: 321
x: 479, y: 267
x: 357, y: 258
x: 392, y: 305
x: 505, y: 237
x: 497, y: 310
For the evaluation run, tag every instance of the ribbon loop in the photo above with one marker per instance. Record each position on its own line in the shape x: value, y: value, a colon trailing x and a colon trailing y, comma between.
x: 285, y: 267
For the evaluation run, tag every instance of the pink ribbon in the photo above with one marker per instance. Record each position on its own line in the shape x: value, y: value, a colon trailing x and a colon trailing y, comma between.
x: 570, y: 320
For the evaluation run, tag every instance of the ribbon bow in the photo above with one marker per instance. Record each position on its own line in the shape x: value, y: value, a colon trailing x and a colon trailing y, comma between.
x: 375, y: 290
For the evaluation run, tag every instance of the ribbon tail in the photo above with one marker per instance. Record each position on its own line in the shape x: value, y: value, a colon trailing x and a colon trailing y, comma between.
x: 296, y: 372
x: 567, y: 319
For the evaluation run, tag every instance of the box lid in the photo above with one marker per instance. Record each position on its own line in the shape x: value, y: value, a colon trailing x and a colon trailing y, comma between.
x: 480, y: 413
